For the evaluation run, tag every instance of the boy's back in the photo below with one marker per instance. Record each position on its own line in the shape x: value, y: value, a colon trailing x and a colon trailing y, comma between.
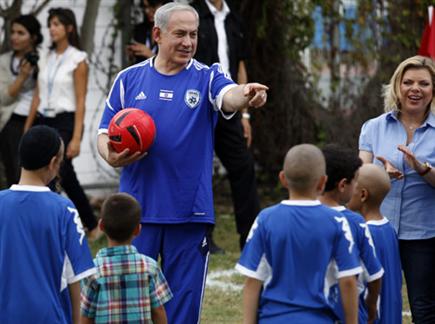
x: 290, y: 248
x: 41, y: 239
x: 387, y: 251
x: 127, y: 285
x: 365, y: 249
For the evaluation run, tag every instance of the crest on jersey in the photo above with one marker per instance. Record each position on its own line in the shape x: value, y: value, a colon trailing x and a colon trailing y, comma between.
x: 192, y: 98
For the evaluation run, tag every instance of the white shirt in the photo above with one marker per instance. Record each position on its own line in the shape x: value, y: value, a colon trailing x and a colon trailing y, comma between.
x: 56, y: 81
x: 24, y: 98
x: 219, y: 24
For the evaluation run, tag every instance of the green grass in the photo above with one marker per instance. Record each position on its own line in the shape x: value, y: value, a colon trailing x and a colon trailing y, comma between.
x: 222, y: 306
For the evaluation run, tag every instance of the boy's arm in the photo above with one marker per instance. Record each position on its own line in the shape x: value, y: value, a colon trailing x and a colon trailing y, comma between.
x: 373, y: 288
x: 74, y: 292
x: 349, y: 298
x: 251, y: 297
x: 158, y: 315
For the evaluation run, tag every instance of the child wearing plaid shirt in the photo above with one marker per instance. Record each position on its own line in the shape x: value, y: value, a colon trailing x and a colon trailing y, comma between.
x: 129, y: 286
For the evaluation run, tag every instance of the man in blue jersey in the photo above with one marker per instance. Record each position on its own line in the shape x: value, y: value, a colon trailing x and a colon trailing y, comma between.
x: 341, y: 167
x: 371, y: 187
x: 43, y: 249
x: 172, y: 181
x: 292, y: 245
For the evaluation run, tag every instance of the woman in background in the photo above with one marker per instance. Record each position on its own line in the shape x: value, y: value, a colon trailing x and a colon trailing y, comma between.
x: 18, y: 73
x: 59, y: 102
x: 403, y: 140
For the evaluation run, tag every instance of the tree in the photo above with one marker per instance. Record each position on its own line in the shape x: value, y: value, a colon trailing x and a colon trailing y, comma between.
x: 379, y: 35
x: 279, y: 31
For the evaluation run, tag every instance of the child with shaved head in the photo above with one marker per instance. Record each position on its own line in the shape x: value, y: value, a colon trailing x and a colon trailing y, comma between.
x: 342, y: 167
x: 292, y: 245
x: 371, y: 187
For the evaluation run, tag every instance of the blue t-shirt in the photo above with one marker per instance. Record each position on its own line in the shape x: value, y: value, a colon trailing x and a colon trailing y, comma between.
x: 42, y: 249
x: 372, y: 268
x: 173, y: 182
x: 387, y: 251
x: 407, y: 203
x: 290, y: 248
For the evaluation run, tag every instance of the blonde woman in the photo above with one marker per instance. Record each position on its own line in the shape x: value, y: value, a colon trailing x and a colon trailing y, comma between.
x: 403, y: 141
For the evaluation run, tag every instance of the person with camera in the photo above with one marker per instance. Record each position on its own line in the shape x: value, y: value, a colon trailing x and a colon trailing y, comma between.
x: 59, y: 102
x: 18, y: 73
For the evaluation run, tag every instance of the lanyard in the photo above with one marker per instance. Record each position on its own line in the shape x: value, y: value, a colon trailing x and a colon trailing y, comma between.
x: 52, y: 70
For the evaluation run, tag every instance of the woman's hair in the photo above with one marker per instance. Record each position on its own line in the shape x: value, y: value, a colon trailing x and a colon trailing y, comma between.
x: 66, y: 18
x: 162, y: 15
x: 32, y: 25
x: 391, y: 91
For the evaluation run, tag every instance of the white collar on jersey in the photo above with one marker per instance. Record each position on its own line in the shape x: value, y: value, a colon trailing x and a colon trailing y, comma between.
x: 152, y: 59
x: 338, y: 208
x: 301, y: 202
x: 379, y: 222
x: 29, y: 188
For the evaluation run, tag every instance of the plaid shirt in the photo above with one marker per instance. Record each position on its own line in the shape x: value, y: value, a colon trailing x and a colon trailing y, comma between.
x: 125, y: 289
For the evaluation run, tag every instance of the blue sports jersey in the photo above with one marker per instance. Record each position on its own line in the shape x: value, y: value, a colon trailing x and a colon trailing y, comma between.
x: 173, y: 182
x: 290, y: 248
x: 42, y: 249
x: 387, y: 251
x: 372, y: 268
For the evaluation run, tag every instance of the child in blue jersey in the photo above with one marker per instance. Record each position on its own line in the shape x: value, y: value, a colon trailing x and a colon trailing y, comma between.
x: 129, y: 287
x: 371, y: 187
x: 291, y: 246
x: 341, y: 167
x: 43, y: 249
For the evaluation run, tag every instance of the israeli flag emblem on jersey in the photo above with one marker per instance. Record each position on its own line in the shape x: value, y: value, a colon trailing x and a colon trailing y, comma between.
x: 192, y: 98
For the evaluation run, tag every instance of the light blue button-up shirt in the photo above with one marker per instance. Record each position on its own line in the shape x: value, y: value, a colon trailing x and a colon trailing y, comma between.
x: 410, y: 204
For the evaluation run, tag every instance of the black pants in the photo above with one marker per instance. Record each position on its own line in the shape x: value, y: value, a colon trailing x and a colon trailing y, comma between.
x: 231, y: 148
x: 418, y: 264
x: 64, y: 124
x: 9, y: 140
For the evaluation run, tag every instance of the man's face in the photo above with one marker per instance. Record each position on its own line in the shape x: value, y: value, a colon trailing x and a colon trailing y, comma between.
x: 177, y: 44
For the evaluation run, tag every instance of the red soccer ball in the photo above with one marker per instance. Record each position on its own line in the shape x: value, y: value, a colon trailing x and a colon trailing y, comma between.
x: 132, y: 128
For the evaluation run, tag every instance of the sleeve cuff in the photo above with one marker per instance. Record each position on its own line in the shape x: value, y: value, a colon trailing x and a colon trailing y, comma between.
x: 248, y: 273
x: 349, y: 272
x: 82, y: 275
x: 376, y: 276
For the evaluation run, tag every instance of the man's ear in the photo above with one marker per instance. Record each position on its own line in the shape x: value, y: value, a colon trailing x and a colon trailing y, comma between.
x: 101, y: 224
x: 156, y: 32
x: 283, y: 179
x: 341, y: 185
x: 137, y: 230
x: 364, y: 195
x: 53, y: 162
x: 321, y: 184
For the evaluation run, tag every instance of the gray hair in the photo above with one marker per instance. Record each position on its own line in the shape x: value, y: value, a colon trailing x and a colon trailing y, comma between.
x: 391, y: 91
x: 162, y: 15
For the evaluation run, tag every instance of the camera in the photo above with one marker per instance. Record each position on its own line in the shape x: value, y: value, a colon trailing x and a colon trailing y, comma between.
x: 32, y: 58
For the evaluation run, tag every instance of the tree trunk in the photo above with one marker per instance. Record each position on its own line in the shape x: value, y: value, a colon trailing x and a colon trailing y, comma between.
x: 87, y: 30
x: 8, y: 14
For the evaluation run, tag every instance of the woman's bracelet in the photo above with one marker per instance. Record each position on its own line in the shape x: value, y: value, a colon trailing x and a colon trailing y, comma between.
x: 427, y: 169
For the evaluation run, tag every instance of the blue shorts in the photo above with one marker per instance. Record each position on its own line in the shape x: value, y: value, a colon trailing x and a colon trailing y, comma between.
x: 183, y: 250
